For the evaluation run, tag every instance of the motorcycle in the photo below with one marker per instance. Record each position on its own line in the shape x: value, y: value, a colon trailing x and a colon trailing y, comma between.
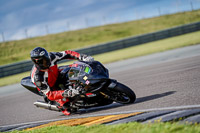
x: 93, y: 82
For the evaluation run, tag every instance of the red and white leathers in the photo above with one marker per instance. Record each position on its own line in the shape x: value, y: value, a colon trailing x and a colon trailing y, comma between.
x: 45, y: 80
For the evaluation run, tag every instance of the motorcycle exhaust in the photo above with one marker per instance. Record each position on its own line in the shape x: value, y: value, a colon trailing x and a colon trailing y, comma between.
x: 46, y: 106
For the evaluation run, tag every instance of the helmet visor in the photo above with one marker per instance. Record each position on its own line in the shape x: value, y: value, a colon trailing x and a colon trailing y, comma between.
x: 41, y: 63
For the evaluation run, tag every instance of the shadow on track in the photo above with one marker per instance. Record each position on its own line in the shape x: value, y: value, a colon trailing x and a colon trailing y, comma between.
x: 115, y: 105
x: 152, y: 97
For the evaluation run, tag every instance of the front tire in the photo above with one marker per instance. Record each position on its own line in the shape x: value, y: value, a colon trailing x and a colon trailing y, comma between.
x: 122, y: 94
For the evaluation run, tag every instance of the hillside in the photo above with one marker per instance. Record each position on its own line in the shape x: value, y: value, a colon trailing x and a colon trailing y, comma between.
x: 14, y: 51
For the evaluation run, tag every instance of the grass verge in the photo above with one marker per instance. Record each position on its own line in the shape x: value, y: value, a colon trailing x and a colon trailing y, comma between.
x: 121, y: 128
x: 135, y: 51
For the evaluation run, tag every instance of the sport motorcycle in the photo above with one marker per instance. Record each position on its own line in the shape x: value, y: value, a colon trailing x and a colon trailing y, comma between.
x: 93, y: 83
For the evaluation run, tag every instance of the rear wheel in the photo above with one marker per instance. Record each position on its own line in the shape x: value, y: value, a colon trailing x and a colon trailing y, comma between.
x: 122, y: 94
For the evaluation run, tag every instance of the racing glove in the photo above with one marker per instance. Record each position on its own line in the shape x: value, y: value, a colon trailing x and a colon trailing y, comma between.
x: 70, y: 93
x: 86, y: 58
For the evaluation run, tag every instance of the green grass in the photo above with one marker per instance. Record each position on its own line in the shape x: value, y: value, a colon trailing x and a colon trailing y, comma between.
x: 144, y: 49
x: 15, y: 51
x: 121, y: 128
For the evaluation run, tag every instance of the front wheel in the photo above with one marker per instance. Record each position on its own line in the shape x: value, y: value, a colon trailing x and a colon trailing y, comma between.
x: 122, y: 94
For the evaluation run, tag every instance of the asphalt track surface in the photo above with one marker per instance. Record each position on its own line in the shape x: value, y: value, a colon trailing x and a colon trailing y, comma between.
x: 160, y: 80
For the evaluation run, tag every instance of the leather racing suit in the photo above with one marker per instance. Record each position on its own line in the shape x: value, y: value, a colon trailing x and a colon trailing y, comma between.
x: 45, y: 80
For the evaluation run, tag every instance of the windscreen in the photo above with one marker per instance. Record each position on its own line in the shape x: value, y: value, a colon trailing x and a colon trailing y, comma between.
x: 75, y: 72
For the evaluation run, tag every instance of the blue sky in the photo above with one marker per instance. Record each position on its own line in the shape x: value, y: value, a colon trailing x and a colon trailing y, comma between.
x: 22, y: 18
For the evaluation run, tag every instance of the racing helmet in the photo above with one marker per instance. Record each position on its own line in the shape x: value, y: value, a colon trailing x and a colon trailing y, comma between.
x: 40, y: 58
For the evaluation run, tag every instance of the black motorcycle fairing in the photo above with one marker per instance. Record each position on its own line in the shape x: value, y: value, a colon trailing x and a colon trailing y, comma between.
x: 26, y: 82
x: 63, y: 76
x: 85, y: 101
x: 88, y: 73
x: 112, y: 84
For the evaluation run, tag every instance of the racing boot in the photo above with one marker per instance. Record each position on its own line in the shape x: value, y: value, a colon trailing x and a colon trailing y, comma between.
x: 66, y: 112
x: 61, y: 106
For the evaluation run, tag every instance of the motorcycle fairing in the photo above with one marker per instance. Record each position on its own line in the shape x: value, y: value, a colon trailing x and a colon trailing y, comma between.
x: 88, y: 72
x: 26, y: 82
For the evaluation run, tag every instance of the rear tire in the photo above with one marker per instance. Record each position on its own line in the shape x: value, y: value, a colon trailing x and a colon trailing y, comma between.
x: 123, y: 94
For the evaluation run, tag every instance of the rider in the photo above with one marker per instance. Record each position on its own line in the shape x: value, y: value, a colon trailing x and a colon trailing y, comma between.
x: 45, y: 72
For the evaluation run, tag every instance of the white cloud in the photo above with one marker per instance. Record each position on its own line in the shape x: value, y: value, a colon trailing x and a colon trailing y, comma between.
x: 20, y: 34
x: 10, y: 21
